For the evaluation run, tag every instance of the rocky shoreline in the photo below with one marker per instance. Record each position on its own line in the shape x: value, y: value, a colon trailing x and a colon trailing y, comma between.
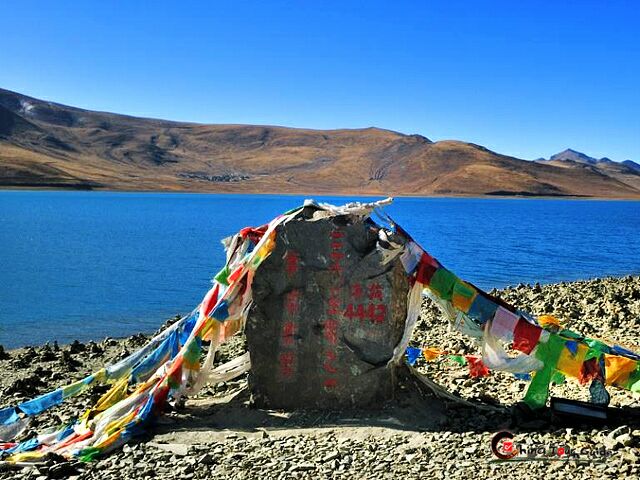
x: 218, y: 434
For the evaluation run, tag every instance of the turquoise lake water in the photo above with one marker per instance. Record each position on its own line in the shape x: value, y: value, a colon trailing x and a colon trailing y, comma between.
x: 87, y: 265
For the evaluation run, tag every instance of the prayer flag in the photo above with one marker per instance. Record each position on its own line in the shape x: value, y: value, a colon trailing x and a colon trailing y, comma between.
x: 463, y: 296
x: 476, y: 367
x: 431, y: 353
x: 442, y: 283
x: 503, y: 324
x: 618, y: 369
x: 412, y: 355
x: 526, y: 336
x: 482, y: 309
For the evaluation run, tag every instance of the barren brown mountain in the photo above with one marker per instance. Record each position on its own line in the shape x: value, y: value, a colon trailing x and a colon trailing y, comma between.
x: 44, y: 144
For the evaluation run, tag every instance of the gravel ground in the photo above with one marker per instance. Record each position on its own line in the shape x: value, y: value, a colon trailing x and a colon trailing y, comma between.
x: 218, y: 434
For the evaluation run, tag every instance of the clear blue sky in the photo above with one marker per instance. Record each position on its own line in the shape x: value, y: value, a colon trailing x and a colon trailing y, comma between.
x: 525, y: 78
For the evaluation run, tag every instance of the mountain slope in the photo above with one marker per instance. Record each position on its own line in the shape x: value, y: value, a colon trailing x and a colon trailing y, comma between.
x: 626, y: 172
x: 51, y: 145
x: 632, y: 165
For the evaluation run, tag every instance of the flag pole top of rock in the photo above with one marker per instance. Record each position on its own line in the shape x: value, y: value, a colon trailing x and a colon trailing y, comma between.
x: 328, y: 299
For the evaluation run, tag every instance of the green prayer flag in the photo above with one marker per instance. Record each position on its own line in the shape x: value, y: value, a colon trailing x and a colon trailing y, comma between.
x: 597, y: 347
x: 89, y: 454
x: 634, y: 380
x: 463, y: 290
x: 460, y: 360
x: 557, y: 378
x: 442, y: 283
x: 192, y: 354
x: 222, y: 276
x: 548, y: 353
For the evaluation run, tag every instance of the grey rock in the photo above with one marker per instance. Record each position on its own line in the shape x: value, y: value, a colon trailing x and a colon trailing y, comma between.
x: 331, y: 456
x: 302, y: 467
x: 624, y: 429
x: 62, y: 470
x: 179, y: 449
x: 207, y: 459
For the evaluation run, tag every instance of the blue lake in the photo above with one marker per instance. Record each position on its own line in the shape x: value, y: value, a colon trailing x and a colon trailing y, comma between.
x: 92, y: 264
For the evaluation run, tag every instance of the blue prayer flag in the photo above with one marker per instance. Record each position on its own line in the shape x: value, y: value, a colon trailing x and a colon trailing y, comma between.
x: 167, y: 349
x: 413, y: 354
x: 572, y: 346
x: 221, y: 312
x: 8, y: 415
x: 41, y: 403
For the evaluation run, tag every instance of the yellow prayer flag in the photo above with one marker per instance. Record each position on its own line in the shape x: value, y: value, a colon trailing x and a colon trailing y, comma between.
x: 570, y: 364
x: 548, y: 321
x: 431, y: 353
x: 113, y: 396
x: 618, y: 369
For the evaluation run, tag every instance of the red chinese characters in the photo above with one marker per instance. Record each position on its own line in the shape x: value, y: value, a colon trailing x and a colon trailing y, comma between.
x: 334, y: 303
x: 337, y: 254
x: 376, y: 313
x: 331, y: 324
x: 330, y: 383
x: 375, y: 310
x: 292, y: 302
x: 375, y: 291
x: 287, y: 363
x: 329, y: 362
x: 288, y: 357
x: 331, y: 331
x: 291, y: 262
x: 289, y: 330
x: 357, y: 292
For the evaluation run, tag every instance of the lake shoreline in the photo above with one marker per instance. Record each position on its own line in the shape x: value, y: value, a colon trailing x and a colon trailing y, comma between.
x: 219, y: 433
x: 505, y: 196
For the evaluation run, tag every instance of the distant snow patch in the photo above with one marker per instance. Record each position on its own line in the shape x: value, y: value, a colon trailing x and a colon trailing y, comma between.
x: 26, y: 106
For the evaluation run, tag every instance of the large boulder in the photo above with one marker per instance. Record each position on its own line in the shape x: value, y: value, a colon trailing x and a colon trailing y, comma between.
x: 327, y: 315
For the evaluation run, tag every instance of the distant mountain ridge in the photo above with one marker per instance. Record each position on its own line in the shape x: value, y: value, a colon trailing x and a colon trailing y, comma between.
x: 631, y: 164
x: 49, y: 145
x: 626, y: 171
x: 575, y: 156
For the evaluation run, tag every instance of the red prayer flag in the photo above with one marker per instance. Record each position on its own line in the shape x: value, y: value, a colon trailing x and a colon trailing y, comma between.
x: 476, y: 367
x: 254, y: 233
x: 235, y: 274
x: 590, y: 370
x: 525, y: 336
x: 210, y: 300
x: 426, y: 268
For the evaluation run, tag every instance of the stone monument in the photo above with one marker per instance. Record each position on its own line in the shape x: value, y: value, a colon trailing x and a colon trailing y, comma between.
x: 326, y: 316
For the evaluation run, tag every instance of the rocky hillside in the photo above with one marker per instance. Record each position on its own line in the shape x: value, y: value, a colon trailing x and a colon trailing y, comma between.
x: 44, y: 144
